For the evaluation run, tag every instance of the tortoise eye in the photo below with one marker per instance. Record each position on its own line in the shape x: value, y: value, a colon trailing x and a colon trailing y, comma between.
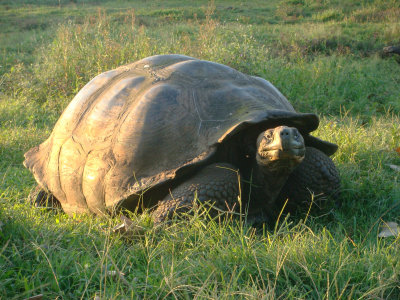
x: 268, y: 136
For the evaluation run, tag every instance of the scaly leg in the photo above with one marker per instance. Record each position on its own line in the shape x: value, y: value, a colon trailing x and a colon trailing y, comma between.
x: 316, y: 175
x: 40, y: 198
x: 217, y: 183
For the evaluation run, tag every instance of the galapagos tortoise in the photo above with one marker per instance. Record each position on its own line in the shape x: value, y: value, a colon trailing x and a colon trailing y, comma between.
x: 158, y: 131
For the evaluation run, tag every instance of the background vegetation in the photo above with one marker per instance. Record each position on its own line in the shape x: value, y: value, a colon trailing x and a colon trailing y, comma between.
x: 324, y: 55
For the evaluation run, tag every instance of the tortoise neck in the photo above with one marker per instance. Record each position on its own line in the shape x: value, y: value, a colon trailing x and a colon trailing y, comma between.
x: 271, y: 181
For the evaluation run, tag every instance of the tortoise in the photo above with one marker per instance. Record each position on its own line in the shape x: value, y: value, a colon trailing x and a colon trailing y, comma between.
x: 392, y: 50
x: 160, y: 131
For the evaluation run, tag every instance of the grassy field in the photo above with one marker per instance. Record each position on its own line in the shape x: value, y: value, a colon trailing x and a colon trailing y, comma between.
x: 323, y: 55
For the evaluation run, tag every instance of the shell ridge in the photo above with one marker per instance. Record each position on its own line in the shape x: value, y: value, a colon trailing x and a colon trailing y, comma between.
x: 58, y: 169
x: 72, y: 158
x: 137, y: 89
x: 95, y: 97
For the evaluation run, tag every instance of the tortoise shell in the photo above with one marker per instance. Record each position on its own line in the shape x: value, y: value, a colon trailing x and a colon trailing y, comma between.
x: 142, y: 125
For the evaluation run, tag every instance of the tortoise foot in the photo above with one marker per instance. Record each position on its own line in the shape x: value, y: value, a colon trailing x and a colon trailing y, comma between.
x: 217, y: 184
x: 39, y: 197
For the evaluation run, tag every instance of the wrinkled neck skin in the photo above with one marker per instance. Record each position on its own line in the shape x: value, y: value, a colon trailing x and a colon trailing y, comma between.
x: 270, y: 182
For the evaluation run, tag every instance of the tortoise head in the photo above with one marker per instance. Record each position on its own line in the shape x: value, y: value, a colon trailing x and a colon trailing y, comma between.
x: 280, y: 149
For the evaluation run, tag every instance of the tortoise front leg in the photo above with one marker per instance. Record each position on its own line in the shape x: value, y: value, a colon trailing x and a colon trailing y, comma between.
x: 316, y: 177
x: 39, y: 197
x: 217, y: 183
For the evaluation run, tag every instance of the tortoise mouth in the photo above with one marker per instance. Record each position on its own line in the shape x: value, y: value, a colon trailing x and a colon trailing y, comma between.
x: 281, y: 166
x: 280, y: 161
x: 295, y: 151
x: 270, y: 155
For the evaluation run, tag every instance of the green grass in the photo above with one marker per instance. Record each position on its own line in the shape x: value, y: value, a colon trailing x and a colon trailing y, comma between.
x: 323, y: 55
